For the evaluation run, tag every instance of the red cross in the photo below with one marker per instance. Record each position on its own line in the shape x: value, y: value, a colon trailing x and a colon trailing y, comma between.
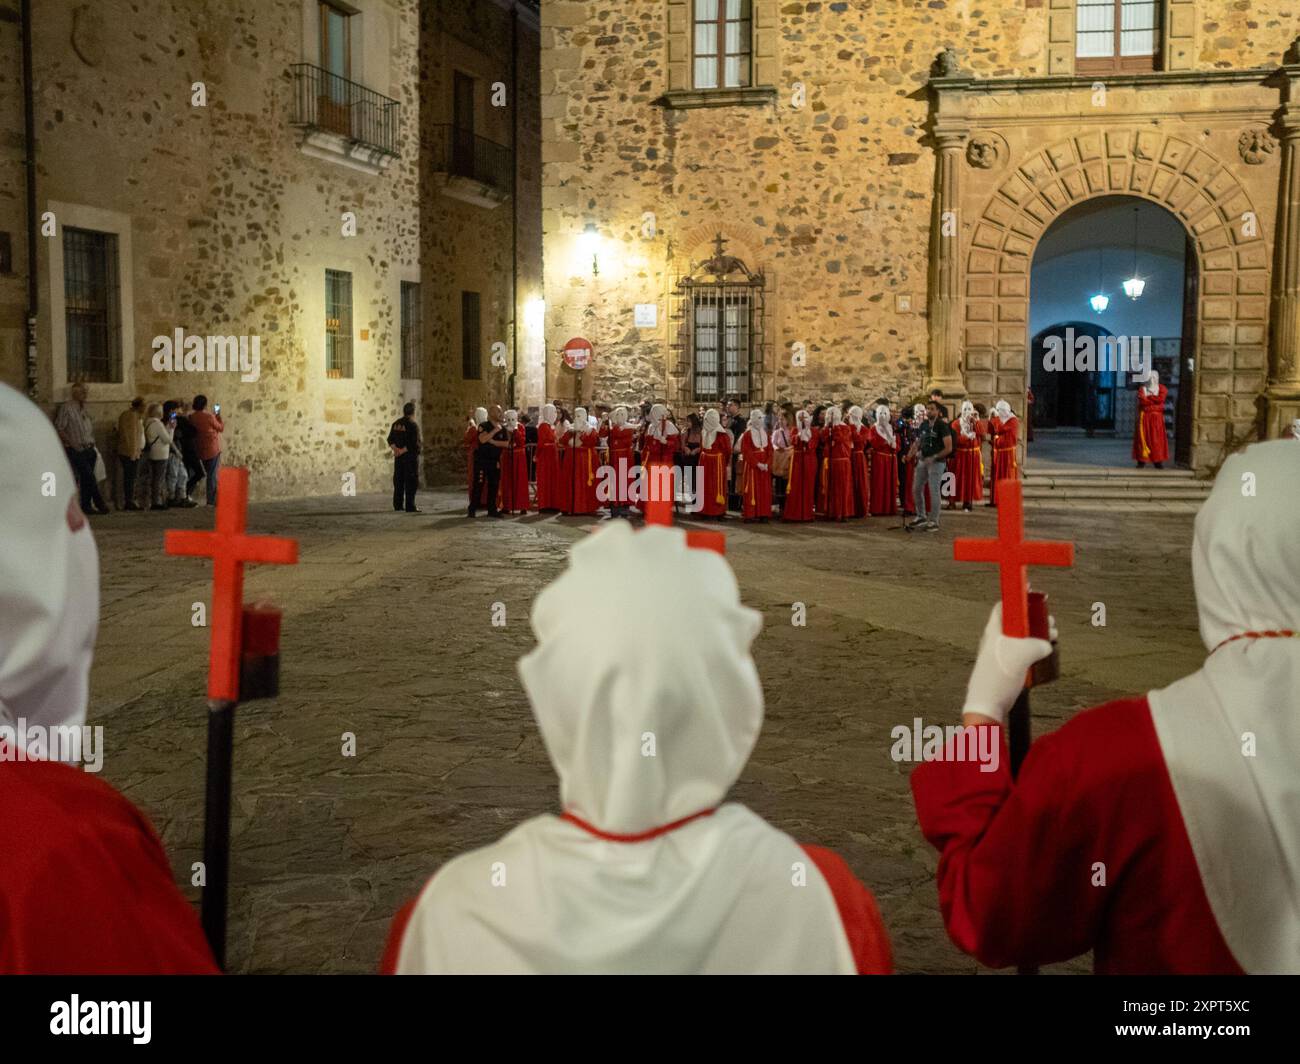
x: 659, y: 509
x: 1014, y: 554
x: 229, y: 548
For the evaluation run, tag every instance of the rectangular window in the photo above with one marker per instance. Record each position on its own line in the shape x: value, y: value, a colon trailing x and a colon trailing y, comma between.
x: 334, y: 100
x: 721, y: 334
x: 1116, y: 36
x: 92, y: 306
x: 462, y: 125
x: 723, y: 30
x: 338, y: 325
x: 412, y: 350
x: 471, y: 337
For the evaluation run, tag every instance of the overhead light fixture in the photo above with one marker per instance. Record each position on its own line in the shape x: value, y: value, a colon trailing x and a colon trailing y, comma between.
x: 1134, y: 285
x: 1100, y: 301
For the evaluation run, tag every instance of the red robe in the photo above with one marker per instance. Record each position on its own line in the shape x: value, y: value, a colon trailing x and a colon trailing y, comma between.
x: 756, y: 489
x: 549, y: 495
x: 1004, y: 454
x: 839, y: 491
x: 861, y: 474
x: 581, y: 468
x: 85, y: 887
x: 1019, y: 879
x: 884, y: 474
x: 821, y: 446
x: 622, y: 462
x: 967, y: 465
x: 802, y: 480
x: 514, y: 473
x: 714, y: 461
x: 1150, y: 444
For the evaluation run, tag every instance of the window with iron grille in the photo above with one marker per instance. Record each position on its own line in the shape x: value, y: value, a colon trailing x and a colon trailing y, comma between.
x: 471, y: 337
x: 412, y: 350
x: 338, y: 324
x: 92, y: 309
x: 723, y: 32
x: 722, y: 341
x: 1116, y: 36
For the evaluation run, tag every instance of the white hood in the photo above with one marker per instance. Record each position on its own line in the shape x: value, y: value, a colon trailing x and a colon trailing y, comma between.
x: 757, y: 429
x: 49, y: 574
x: 1242, y: 811
x: 548, y: 414
x: 646, y: 725
x: 480, y: 415
x: 711, y: 426
x: 883, y: 425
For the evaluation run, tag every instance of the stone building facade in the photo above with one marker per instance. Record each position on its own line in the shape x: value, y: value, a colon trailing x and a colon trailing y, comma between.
x: 884, y: 171
x: 258, y: 170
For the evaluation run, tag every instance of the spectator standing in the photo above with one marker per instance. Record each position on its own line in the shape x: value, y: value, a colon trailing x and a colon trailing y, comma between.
x: 130, y: 445
x: 77, y: 432
x: 208, y: 428
x: 404, y: 441
x: 159, y: 447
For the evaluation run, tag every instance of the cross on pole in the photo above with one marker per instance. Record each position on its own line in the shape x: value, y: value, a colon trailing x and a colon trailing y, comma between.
x: 230, y: 548
x: 1013, y: 555
x: 658, y: 509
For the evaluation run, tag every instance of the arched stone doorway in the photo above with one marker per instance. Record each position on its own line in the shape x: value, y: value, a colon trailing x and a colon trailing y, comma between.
x: 1232, y: 293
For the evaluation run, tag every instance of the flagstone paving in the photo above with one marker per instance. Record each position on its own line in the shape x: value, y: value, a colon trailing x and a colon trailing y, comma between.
x: 388, y: 636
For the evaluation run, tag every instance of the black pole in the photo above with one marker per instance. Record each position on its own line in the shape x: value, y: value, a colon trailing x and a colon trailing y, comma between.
x: 29, y: 144
x: 1019, y: 737
x: 216, y: 826
x: 514, y: 202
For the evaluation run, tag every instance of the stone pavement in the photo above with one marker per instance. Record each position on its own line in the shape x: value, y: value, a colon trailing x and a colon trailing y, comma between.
x: 388, y: 635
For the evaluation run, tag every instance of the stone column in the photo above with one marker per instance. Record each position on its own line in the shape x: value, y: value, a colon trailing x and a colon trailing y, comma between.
x: 945, y: 309
x: 1283, y: 394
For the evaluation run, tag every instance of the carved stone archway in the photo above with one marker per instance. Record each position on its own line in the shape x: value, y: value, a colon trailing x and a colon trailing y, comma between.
x: 1152, y: 164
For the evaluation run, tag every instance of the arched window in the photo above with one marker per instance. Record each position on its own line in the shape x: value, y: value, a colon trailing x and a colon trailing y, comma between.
x: 1117, y: 36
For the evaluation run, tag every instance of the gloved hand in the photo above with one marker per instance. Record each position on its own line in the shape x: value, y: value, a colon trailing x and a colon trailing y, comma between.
x: 1000, y: 667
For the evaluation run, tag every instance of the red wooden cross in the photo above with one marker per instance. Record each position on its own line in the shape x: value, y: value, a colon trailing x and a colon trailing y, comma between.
x: 658, y: 509
x: 229, y: 548
x: 1014, y: 554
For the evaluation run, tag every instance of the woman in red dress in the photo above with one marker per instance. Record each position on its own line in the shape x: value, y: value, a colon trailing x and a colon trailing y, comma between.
x: 548, y: 462
x: 967, y: 463
x: 839, y: 497
x: 715, y: 460
x: 619, y: 439
x: 514, y: 467
x: 884, y: 465
x: 1150, y: 444
x: 803, y: 471
x: 861, y: 476
x: 582, y: 467
x: 1006, y: 429
x: 470, y: 440
x: 756, y: 489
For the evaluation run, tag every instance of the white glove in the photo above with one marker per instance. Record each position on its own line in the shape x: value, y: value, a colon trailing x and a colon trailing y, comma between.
x: 1000, y: 667
x: 763, y: 468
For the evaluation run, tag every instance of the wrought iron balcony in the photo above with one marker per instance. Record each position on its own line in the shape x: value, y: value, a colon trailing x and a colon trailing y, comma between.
x: 327, y: 103
x: 460, y: 153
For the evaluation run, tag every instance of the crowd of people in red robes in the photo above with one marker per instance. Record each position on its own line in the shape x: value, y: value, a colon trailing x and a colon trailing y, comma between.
x: 819, y: 461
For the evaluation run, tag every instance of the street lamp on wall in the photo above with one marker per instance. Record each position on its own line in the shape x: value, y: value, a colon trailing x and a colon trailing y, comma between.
x: 589, y: 243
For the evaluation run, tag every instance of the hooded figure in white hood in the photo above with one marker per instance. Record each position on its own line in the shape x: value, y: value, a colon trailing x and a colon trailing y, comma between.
x: 84, y: 884
x: 1161, y: 832
x: 646, y: 870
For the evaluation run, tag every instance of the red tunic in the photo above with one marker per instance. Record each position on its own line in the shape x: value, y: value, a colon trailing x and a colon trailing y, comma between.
x: 1021, y: 863
x: 580, y: 471
x: 1150, y: 444
x: 549, y: 496
x: 967, y: 465
x: 622, y: 462
x: 884, y: 474
x: 839, y: 491
x: 714, y: 461
x: 514, y: 473
x: 861, y: 474
x: 1004, y: 454
x: 85, y: 888
x: 802, y: 480
x: 821, y: 447
x: 756, y: 489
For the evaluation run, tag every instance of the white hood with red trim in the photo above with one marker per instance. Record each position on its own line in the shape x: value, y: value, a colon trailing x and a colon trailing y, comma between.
x: 649, y: 717
x: 1230, y: 732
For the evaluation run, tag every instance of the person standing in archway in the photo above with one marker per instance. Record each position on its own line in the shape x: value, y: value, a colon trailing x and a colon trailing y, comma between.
x: 1150, y: 444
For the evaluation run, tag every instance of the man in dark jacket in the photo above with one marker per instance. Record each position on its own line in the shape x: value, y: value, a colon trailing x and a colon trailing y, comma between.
x: 404, y: 440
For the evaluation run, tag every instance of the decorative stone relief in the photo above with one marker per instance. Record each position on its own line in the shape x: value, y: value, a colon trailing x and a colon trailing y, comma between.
x: 984, y: 151
x: 1255, y: 146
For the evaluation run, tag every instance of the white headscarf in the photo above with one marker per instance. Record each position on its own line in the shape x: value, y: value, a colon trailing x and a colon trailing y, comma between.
x: 883, y: 424
x: 855, y: 416
x: 918, y: 415
x: 648, y: 725
x: 619, y: 417
x: 712, y: 426
x: 833, y: 417
x: 510, y: 420
x: 548, y: 414
x: 967, y: 422
x: 757, y: 429
x: 49, y: 575
x: 480, y: 415
x: 1153, y: 383
x: 658, y: 425
x: 1003, y: 410
x: 580, y: 425
x: 592, y: 422
x: 1242, y: 811
x: 803, y: 419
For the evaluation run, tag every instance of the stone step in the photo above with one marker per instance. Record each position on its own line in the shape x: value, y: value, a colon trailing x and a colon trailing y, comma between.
x: 1191, y: 493
x: 1107, y: 473
x: 1114, y: 506
x: 1138, y: 483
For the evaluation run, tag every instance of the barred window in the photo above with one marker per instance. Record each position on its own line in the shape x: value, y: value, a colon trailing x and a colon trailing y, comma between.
x: 412, y: 351
x: 338, y: 324
x: 1116, y: 36
x: 92, y: 313
x: 721, y: 335
x: 723, y: 34
x: 471, y: 336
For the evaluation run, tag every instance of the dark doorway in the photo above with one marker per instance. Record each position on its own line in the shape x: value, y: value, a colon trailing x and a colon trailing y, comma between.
x: 1074, y: 399
x: 462, y: 148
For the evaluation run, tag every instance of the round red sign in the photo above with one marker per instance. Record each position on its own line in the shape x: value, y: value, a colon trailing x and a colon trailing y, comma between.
x: 577, y: 353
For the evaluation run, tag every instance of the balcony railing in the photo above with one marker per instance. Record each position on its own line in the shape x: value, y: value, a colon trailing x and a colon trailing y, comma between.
x: 460, y: 153
x: 332, y: 104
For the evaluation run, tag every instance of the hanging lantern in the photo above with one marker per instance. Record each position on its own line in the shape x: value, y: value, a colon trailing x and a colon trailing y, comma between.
x: 1099, y: 302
